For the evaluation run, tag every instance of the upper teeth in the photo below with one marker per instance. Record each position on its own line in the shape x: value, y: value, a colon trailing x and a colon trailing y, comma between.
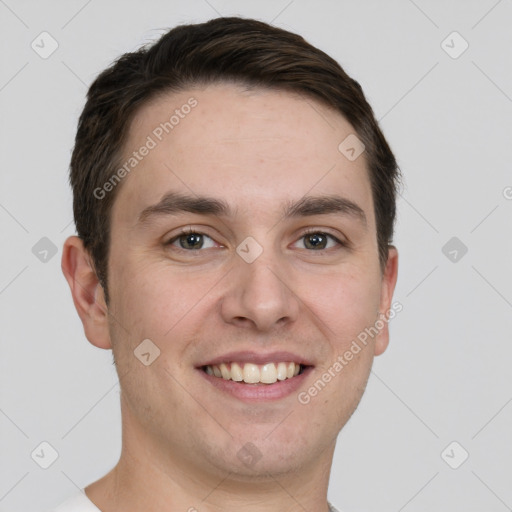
x: 253, y: 373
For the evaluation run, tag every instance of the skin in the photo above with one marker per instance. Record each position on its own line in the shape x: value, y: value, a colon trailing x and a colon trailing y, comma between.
x: 256, y: 150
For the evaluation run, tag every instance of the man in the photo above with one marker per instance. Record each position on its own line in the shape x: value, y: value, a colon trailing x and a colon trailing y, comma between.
x: 234, y: 200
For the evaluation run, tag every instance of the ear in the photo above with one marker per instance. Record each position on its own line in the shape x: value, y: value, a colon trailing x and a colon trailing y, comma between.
x: 87, y: 292
x: 388, y: 283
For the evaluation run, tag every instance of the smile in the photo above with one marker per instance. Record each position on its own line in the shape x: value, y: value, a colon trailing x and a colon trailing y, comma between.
x: 251, y: 373
x: 252, y: 376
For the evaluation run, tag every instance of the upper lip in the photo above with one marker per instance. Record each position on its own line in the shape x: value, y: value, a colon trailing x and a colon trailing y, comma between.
x: 248, y: 356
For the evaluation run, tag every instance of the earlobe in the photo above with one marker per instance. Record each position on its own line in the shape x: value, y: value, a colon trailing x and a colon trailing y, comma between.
x: 388, y: 284
x: 88, y: 294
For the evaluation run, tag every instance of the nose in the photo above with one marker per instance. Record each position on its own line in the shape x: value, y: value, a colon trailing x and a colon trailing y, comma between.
x: 259, y: 296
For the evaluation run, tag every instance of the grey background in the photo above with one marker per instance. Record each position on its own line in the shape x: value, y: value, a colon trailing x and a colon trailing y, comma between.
x: 446, y: 374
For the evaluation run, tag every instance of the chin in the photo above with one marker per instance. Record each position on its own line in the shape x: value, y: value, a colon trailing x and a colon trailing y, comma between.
x: 261, y: 460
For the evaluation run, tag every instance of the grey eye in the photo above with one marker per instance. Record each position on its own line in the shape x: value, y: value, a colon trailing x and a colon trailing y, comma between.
x: 192, y: 241
x: 318, y: 241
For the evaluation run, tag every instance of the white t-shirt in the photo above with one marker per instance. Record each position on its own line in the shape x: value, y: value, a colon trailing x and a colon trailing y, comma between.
x: 79, y: 502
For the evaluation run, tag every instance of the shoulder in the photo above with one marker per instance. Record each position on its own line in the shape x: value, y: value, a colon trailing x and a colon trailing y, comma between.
x: 78, y: 502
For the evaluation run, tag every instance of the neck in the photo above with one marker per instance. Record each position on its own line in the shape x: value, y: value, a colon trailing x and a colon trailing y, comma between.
x: 146, y: 479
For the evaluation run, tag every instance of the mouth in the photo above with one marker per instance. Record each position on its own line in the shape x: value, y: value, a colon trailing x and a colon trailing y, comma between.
x: 250, y: 373
x: 252, y: 378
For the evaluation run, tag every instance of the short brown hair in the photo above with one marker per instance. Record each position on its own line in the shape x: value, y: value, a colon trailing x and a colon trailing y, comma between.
x: 238, y: 50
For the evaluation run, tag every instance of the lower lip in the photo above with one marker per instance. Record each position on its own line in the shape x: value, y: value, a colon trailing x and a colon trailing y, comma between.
x: 258, y: 392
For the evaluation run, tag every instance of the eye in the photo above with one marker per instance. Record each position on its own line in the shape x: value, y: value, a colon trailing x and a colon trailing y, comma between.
x: 192, y: 241
x: 318, y: 241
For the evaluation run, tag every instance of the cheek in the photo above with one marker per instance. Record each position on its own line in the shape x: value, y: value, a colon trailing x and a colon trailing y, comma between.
x: 346, y: 302
x: 151, y: 299
x: 150, y: 306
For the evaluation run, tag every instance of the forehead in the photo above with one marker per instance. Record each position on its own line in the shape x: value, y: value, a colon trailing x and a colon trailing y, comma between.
x: 249, y: 147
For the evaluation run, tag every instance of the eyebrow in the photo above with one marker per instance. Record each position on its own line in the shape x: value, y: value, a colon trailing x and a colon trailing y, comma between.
x: 324, y: 205
x: 176, y: 203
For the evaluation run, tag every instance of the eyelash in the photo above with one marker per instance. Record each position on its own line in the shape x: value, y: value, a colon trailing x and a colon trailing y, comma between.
x: 191, y: 231
x: 320, y: 232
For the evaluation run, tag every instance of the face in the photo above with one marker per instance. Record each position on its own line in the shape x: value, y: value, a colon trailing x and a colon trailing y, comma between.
x: 242, y: 238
